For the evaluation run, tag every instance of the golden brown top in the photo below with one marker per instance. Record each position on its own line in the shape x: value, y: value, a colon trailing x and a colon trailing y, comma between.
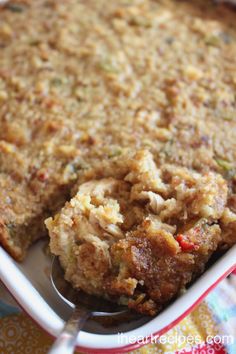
x: 137, y: 232
x: 82, y: 81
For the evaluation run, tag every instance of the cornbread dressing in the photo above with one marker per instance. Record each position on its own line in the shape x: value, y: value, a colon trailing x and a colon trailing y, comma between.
x: 136, y: 233
x: 88, y: 90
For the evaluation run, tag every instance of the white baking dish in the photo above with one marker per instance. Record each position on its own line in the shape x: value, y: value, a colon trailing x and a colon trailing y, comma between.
x: 29, y: 283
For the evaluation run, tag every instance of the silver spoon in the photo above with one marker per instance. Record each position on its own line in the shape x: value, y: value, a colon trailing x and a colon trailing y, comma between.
x: 85, y: 306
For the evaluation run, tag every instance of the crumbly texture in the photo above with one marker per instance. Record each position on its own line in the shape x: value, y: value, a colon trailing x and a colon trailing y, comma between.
x: 83, y: 81
x: 138, y: 233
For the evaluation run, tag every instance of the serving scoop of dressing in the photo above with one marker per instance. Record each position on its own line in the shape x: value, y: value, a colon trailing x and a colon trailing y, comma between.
x: 85, y: 306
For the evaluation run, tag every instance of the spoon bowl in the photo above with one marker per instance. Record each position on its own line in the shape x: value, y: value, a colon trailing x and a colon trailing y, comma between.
x: 84, y: 306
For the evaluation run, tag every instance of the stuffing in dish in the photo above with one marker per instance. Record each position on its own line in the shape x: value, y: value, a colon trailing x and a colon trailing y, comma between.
x: 76, y: 89
x: 149, y: 82
x: 137, y: 232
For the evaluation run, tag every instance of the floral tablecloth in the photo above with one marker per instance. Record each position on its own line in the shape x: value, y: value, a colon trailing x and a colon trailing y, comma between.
x: 209, y: 329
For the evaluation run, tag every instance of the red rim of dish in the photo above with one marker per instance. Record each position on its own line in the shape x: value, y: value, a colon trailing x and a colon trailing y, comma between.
x: 137, y: 344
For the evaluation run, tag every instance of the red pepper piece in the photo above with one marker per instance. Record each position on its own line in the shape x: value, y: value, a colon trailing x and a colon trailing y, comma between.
x: 185, y: 244
x: 42, y: 176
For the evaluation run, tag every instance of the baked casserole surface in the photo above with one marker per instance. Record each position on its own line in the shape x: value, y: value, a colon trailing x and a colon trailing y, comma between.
x: 129, y: 108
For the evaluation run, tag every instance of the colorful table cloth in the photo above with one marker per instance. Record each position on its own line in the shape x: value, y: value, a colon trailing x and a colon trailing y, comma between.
x: 209, y: 329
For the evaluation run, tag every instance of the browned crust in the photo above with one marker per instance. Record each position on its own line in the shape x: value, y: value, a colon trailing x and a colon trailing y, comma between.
x: 226, y: 4
x: 7, y: 242
x: 170, y: 116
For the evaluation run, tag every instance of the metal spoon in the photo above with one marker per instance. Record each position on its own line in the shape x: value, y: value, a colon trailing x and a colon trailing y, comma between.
x: 85, y: 306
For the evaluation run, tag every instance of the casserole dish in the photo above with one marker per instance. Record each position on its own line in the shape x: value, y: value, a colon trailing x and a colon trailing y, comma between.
x: 51, y: 146
x: 30, y: 285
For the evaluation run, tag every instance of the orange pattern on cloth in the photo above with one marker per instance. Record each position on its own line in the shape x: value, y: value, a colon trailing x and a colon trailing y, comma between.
x: 20, y: 335
x: 214, y: 317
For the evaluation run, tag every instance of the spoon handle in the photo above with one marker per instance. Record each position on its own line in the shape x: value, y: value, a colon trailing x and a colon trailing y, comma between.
x: 66, y: 341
